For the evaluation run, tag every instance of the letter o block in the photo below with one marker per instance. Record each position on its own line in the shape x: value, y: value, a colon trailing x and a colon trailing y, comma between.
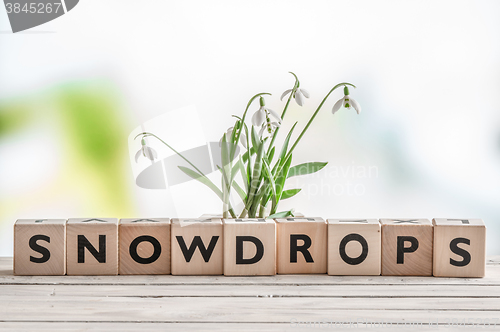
x: 92, y: 246
x: 40, y: 247
x: 459, y: 248
x: 407, y: 247
x: 301, y: 245
x: 354, y: 247
x: 197, y: 246
x: 249, y: 247
x: 144, y: 246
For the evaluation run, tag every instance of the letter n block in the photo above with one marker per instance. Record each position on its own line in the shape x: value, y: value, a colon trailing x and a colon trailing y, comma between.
x: 40, y: 247
x: 144, y: 246
x: 407, y: 247
x: 354, y: 247
x: 92, y: 246
x: 301, y: 245
x: 249, y: 247
x: 197, y: 246
x: 459, y: 248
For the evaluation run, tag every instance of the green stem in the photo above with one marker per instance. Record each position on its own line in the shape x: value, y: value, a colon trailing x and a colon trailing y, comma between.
x: 146, y: 134
x: 313, y: 116
x: 294, y: 89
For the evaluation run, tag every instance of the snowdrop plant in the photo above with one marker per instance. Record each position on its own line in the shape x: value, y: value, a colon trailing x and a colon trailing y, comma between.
x: 256, y: 176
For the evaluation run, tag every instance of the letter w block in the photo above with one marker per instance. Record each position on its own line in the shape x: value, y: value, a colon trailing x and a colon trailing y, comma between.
x: 197, y: 246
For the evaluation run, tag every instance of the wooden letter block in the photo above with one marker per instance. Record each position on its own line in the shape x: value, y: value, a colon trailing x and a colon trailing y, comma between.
x: 144, y: 246
x: 459, y: 248
x: 354, y: 247
x: 301, y: 245
x: 197, y: 246
x: 40, y: 247
x: 92, y: 246
x: 407, y: 247
x: 249, y: 247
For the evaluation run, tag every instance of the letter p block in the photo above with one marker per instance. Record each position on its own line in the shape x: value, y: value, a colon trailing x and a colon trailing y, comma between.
x: 407, y: 247
x: 40, y: 247
x: 249, y: 247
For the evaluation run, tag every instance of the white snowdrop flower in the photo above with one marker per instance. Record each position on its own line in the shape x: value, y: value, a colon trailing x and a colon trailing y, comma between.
x: 259, y: 117
x: 146, y: 151
x: 298, y: 95
x: 268, y: 127
x: 346, y: 102
x: 229, y: 133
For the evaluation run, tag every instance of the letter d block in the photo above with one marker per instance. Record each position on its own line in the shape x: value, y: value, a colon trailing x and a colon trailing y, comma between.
x: 354, y: 247
x: 40, y: 247
x: 407, y: 247
x: 144, y: 246
x: 197, y: 246
x: 249, y: 247
x: 92, y: 246
x: 301, y: 245
x: 459, y: 248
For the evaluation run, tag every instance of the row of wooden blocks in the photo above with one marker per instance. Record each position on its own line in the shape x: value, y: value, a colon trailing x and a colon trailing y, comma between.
x: 412, y: 247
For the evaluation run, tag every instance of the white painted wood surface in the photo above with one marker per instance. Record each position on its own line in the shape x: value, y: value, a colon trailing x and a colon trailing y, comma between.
x: 270, y: 303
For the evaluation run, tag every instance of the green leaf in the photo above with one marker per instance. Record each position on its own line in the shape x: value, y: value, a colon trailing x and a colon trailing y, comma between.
x: 289, y: 193
x: 244, y: 174
x: 245, y: 155
x: 284, y: 148
x: 270, y: 155
x: 280, y: 182
x: 203, y: 179
x: 306, y: 168
x: 239, y: 191
x: 270, y: 179
x: 282, y: 214
x: 255, y: 139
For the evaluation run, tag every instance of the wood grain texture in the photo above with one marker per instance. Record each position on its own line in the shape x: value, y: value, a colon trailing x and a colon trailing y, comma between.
x: 264, y: 230
x: 365, y: 263
x: 471, y: 245
x: 149, y: 239
x: 290, y: 230
x: 50, y: 234
x: 268, y: 303
x: 207, y: 230
x: 409, y: 263
x: 93, y: 230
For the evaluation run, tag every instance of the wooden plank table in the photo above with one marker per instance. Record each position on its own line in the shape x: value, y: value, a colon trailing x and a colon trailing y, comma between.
x: 277, y: 303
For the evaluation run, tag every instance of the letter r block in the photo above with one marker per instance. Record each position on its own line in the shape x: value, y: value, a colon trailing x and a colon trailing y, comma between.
x: 407, y: 247
x: 354, y: 247
x: 40, y: 247
x: 249, y: 247
x: 197, y: 246
x: 459, y: 248
x: 144, y: 246
x: 301, y: 245
x: 92, y: 246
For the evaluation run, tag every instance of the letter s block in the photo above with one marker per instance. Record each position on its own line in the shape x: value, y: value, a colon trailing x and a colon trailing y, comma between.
x: 301, y: 245
x: 40, y: 247
x: 197, y: 246
x: 92, y: 246
x: 407, y: 247
x: 459, y: 248
x: 144, y: 246
x: 249, y: 247
x: 354, y: 247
